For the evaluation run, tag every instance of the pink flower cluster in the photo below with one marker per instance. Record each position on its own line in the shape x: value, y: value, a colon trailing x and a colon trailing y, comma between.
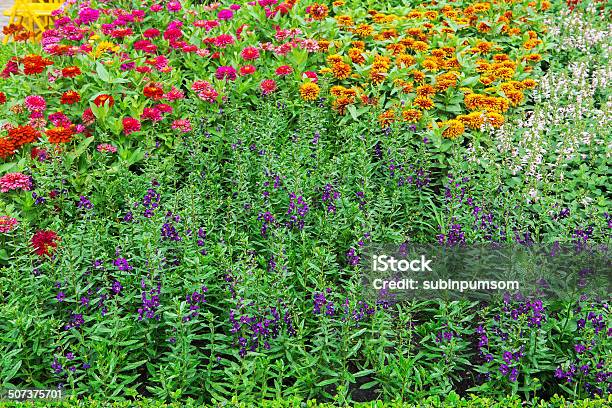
x: 106, y: 148
x: 182, y: 125
x: 15, y: 181
x: 7, y: 224
x: 205, y: 91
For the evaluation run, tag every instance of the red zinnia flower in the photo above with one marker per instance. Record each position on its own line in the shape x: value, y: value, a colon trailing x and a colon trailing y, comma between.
x: 249, y: 53
x: 130, y: 125
x: 153, y: 92
x: 35, y: 64
x: 2, y: 98
x: 267, y: 86
x: 71, y: 72
x: 88, y: 117
x: 151, y: 33
x: 284, y: 70
x: 70, y: 97
x: 43, y: 240
x: 101, y: 100
x: 247, y: 70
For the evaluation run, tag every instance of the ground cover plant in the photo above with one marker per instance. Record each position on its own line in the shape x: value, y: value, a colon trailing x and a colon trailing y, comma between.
x: 187, y: 189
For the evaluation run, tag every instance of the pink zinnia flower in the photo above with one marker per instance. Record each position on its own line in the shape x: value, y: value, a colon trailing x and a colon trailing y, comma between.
x: 249, y: 53
x: 182, y: 125
x: 130, y: 125
x: 174, y: 6
x: 163, y: 108
x: 203, y: 52
x: 151, y: 114
x: 15, y: 181
x: 174, y: 94
x: 310, y: 45
x: 88, y: 15
x: 106, y: 148
x: 267, y: 86
x: 205, y: 91
x: 7, y: 224
x: 59, y: 119
x: 35, y: 103
x: 223, y: 40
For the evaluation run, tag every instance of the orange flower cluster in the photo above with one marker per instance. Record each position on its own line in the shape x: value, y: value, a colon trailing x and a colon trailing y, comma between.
x: 309, y: 91
x: 465, y: 64
x: 7, y: 147
x: 22, y: 135
x: 34, y: 64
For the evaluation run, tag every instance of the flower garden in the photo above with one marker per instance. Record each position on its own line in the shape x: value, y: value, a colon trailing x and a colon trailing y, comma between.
x: 187, y: 190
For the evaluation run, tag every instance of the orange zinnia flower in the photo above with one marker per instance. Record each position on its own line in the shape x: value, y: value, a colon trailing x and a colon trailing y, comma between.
x: 60, y: 134
x: 22, y: 135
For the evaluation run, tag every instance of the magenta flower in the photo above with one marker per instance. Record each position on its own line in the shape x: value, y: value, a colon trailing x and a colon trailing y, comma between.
x: 174, y: 6
x: 35, y: 103
x: 226, y: 72
x: 225, y: 14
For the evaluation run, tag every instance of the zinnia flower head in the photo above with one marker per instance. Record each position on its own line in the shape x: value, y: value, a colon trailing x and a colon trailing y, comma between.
x: 267, y: 86
x: 130, y: 125
x: 284, y: 70
x: 174, y: 6
x: 205, y: 91
x: 309, y: 91
x: 311, y: 75
x: 7, y: 224
x: 88, y: 15
x: 153, y: 91
x: 151, y: 33
x: 247, y: 70
x: 35, y: 103
x: 103, y: 99
x: 22, y: 135
x: 318, y: 11
x: 43, y: 240
x: 106, y: 148
x: 249, y: 53
x: 15, y: 181
x: 60, y: 134
x: 226, y: 72
x: 152, y: 114
x: 454, y: 128
x: 225, y: 14
x: 70, y: 97
x: 223, y: 40
x: 182, y: 125
x: 7, y: 148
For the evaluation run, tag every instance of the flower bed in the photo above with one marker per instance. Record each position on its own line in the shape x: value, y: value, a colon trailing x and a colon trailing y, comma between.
x: 187, y: 193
